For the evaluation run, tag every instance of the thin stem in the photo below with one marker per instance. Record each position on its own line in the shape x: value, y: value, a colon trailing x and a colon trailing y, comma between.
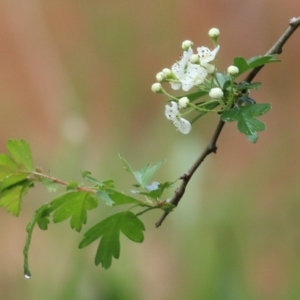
x: 212, y: 147
x: 38, y: 176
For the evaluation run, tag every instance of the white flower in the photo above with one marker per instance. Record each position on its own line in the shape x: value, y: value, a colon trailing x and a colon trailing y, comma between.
x: 187, y: 44
x: 195, y: 74
x: 216, y: 93
x: 214, y: 32
x: 232, y: 70
x: 156, y: 87
x: 183, y: 102
x: 183, y: 125
x: 172, y: 111
x: 206, y: 55
x: 179, y: 68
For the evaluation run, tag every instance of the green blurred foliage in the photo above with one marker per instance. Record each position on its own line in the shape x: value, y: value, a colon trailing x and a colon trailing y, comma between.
x: 75, y: 82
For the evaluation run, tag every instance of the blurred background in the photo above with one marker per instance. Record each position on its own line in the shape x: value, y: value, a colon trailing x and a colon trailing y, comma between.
x: 75, y: 80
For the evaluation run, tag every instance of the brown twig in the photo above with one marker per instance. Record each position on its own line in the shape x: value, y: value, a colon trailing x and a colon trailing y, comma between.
x: 212, y: 146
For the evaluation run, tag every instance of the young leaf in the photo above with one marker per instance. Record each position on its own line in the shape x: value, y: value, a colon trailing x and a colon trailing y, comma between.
x: 144, y: 175
x: 109, y: 232
x: 113, y: 197
x: 11, y: 198
x: 75, y: 205
x: 127, y: 166
x: 246, y: 119
x: 21, y: 153
x: 12, y: 180
x: 49, y: 184
x: 7, y: 166
x: 102, y: 184
x: 157, y: 192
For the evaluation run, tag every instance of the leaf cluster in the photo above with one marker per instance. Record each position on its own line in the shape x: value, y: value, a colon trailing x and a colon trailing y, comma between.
x: 17, y: 175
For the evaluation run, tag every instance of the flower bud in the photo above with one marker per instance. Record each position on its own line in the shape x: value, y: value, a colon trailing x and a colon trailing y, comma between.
x: 233, y: 70
x: 160, y: 77
x: 167, y: 72
x: 183, y: 102
x: 186, y: 45
x: 216, y: 93
x: 194, y: 59
x: 214, y: 33
x: 156, y: 87
x: 210, y: 69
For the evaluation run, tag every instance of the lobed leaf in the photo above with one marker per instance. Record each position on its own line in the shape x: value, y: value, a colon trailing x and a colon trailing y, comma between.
x: 7, y: 166
x: 73, y: 205
x: 21, y: 153
x: 144, y: 175
x: 245, y: 116
x: 109, y: 232
x: 11, y: 198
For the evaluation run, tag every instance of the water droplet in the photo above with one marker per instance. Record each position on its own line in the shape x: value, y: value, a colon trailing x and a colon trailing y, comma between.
x: 27, y: 275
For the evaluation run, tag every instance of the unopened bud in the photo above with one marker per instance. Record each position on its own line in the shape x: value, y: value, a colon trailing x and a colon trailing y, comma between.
x: 156, y: 87
x: 187, y: 44
x: 183, y: 102
x: 232, y: 70
x: 194, y: 59
x: 160, y: 77
x: 216, y: 93
x: 214, y: 33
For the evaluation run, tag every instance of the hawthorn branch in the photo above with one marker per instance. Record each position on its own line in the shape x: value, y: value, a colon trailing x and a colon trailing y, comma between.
x: 212, y: 146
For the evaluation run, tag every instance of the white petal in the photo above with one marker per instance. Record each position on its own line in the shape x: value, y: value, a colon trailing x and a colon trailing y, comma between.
x: 175, y: 85
x: 183, y: 125
x: 206, y: 55
x: 194, y: 75
x: 179, y: 67
x: 171, y: 111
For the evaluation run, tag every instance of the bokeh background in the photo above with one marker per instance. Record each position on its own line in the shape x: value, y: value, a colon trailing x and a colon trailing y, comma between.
x: 75, y: 80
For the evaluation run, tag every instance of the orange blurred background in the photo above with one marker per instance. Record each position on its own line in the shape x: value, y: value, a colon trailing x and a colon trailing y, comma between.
x: 75, y: 80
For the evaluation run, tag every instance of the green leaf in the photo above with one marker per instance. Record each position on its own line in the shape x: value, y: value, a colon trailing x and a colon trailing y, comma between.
x: 261, y: 60
x: 113, y: 197
x: 73, y: 205
x: 241, y: 64
x: 221, y: 79
x: 109, y: 232
x: 144, y: 175
x: 7, y: 166
x: 49, y: 184
x: 102, y: 184
x: 11, y: 198
x: 245, y: 116
x: 12, y: 180
x: 253, y: 62
x: 21, y: 153
x: 119, y: 198
x: 157, y: 192
x: 127, y: 166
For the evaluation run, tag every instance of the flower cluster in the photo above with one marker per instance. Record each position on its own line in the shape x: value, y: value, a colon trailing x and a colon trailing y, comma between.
x: 191, y: 70
x: 194, y: 70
